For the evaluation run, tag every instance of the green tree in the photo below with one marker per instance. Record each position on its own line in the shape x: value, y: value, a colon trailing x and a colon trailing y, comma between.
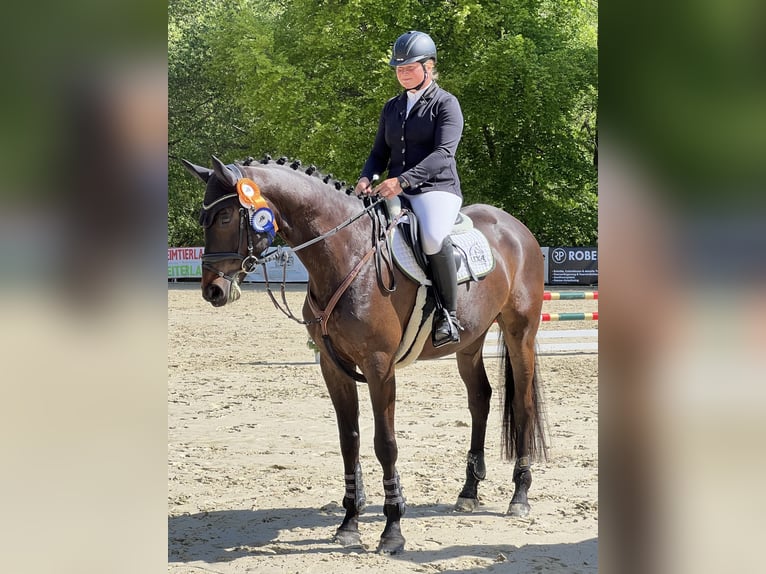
x: 525, y: 72
x: 202, y: 117
x: 307, y: 79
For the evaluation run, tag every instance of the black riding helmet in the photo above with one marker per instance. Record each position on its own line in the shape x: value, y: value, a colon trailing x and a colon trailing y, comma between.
x: 412, y: 47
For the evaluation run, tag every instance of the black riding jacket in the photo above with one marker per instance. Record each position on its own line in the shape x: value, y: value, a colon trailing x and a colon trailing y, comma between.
x: 421, y: 148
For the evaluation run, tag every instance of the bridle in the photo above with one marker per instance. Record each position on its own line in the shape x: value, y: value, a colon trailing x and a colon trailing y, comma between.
x: 249, y: 262
x: 209, y: 259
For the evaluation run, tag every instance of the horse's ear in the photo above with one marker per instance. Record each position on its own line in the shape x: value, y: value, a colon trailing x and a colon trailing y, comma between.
x: 224, y: 173
x: 201, y: 172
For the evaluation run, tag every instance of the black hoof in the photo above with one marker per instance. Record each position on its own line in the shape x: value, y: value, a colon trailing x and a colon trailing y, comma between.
x: 391, y: 545
x: 391, y: 541
x: 348, y: 538
x: 466, y: 504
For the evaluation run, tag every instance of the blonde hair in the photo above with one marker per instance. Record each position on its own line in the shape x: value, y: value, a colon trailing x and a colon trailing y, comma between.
x: 432, y: 69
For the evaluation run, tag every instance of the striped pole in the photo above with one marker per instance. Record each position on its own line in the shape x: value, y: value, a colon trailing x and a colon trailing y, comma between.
x: 570, y: 316
x: 565, y: 295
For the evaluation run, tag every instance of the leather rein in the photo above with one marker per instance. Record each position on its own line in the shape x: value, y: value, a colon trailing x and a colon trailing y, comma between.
x: 380, y: 239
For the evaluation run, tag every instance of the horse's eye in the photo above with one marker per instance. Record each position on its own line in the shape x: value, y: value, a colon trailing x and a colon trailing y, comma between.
x: 225, y: 217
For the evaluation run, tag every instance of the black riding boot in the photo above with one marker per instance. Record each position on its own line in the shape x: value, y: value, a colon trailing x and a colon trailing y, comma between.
x: 446, y: 328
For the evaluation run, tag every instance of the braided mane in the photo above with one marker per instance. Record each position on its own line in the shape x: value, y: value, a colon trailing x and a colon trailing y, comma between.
x: 311, y: 171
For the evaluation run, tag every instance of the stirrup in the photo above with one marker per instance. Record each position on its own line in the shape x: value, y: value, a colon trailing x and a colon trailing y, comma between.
x: 454, y: 330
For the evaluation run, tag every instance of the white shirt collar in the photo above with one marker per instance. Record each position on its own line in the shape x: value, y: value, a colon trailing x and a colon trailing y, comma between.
x: 413, y: 97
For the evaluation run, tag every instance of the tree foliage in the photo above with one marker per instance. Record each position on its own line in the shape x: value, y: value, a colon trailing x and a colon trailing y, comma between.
x: 308, y: 79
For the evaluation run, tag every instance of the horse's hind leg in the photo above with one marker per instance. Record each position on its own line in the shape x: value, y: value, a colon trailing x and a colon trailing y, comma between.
x: 471, y: 367
x: 345, y: 400
x: 523, y: 433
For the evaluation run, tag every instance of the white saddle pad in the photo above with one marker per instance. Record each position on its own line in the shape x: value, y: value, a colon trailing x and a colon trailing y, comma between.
x: 472, y: 244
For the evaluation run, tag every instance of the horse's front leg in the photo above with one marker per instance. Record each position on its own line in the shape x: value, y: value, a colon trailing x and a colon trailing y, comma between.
x: 383, y: 396
x: 345, y: 400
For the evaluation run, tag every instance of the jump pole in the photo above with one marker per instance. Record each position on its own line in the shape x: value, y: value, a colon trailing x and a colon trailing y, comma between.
x: 569, y: 295
x: 570, y: 316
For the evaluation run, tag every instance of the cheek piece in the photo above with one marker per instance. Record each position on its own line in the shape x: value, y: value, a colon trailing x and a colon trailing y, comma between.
x: 260, y: 214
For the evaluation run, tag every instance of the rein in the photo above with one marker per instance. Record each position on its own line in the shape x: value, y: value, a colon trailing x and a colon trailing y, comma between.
x: 321, y: 316
x: 380, y: 239
x: 277, y: 254
x: 251, y: 261
x: 336, y: 229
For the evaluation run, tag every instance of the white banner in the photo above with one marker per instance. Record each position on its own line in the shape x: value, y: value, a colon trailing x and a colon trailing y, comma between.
x: 545, y: 258
x: 296, y: 272
x: 186, y: 262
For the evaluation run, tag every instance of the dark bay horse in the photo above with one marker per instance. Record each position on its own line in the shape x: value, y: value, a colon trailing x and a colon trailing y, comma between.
x: 363, y: 322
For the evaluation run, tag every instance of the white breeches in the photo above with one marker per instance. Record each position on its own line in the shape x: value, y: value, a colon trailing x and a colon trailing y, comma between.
x: 436, y: 212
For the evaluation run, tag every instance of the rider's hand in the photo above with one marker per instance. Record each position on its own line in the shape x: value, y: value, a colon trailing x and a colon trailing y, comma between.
x: 389, y: 188
x: 363, y: 187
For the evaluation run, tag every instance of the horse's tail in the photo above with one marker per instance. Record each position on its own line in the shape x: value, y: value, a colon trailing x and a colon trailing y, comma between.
x: 538, y: 443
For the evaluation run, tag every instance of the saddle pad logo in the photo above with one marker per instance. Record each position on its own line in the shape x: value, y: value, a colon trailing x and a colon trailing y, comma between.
x: 476, y: 254
x: 473, y: 246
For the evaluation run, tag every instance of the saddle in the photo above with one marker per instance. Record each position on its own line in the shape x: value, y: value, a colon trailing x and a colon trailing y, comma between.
x: 473, y: 256
x: 473, y: 260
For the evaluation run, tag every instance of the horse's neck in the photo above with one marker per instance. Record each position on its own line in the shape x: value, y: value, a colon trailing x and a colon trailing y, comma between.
x: 333, y: 260
x: 310, y: 209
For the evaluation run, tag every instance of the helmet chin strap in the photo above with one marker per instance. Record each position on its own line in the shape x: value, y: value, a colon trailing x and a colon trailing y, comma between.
x: 425, y: 77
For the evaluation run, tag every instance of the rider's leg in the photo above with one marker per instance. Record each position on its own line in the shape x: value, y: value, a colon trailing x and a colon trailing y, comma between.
x: 436, y: 212
x: 446, y: 328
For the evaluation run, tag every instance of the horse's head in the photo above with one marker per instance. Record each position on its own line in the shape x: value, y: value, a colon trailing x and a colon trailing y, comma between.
x: 238, y: 225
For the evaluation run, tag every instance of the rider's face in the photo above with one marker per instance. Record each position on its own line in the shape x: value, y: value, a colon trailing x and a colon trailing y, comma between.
x: 410, y: 75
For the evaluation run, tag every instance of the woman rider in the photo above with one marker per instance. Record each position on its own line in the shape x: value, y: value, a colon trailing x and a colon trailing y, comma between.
x: 418, y: 134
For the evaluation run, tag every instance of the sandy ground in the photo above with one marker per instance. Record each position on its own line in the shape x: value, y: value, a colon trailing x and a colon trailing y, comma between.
x: 255, y: 473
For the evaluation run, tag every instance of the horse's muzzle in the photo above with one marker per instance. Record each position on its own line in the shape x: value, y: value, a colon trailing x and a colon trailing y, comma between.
x: 221, y: 291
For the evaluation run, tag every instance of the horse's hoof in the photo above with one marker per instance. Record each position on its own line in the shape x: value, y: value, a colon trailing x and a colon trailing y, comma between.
x: 348, y: 538
x: 391, y: 545
x: 519, y: 509
x: 466, y: 504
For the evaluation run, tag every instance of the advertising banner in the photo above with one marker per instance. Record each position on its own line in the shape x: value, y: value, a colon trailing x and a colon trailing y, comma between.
x: 573, y: 266
x: 546, y: 255
x: 563, y: 266
x: 186, y: 263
